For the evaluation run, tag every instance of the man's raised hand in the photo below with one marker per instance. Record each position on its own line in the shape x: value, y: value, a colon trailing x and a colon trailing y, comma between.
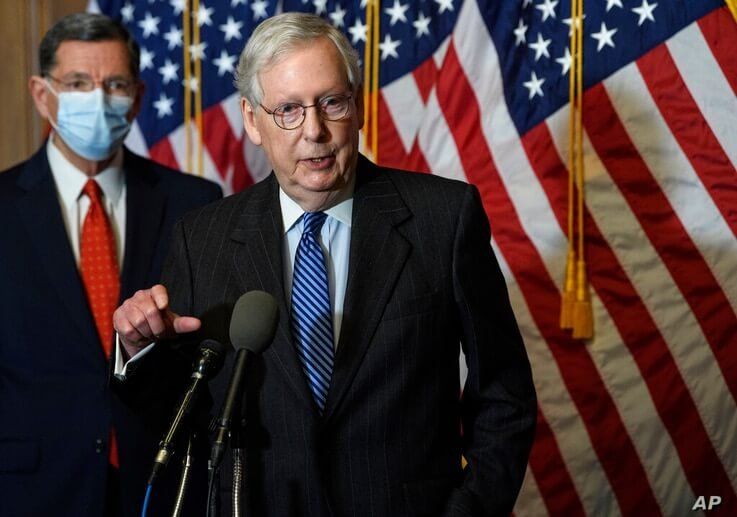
x: 145, y: 317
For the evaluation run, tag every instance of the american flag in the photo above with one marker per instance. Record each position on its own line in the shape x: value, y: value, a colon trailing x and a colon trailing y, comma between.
x: 640, y: 420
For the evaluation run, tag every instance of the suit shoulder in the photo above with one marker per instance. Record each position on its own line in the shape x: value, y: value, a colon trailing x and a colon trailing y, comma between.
x: 417, y: 187
x: 9, y: 181
x: 9, y: 176
x: 172, y: 178
x: 224, y: 212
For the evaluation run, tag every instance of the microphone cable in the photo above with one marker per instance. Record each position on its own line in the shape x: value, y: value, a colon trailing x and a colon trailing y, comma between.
x: 146, y: 499
x: 184, y: 481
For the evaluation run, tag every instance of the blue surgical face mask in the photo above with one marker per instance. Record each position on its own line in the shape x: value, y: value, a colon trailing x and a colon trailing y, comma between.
x: 93, y: 124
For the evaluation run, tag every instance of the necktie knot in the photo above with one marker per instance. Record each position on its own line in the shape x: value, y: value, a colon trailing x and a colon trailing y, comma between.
x: 313, y: 222
x: 92, y: 190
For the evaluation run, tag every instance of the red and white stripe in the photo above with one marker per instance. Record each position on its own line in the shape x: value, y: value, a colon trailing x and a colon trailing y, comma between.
x: 228, y: 157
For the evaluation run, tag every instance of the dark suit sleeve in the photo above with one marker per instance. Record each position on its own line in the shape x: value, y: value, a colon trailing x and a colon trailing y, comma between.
x: 155, y: 382
x: 499, y: 404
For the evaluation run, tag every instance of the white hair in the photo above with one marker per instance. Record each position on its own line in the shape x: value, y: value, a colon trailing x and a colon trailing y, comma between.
x: 278, y: 36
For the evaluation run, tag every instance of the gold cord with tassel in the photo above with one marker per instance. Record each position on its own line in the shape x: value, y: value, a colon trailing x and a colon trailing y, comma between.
x: 568, y: 297
x: 583, y: 324
x: 576, y: 312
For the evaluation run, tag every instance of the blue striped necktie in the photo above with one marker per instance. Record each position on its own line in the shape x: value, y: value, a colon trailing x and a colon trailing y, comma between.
x: 312, y: 320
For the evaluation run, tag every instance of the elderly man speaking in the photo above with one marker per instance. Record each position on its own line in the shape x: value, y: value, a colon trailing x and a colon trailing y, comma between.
x: 380, y: 277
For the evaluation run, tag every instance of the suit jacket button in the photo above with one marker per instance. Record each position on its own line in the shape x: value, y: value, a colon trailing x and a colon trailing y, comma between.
x: 99, y: 445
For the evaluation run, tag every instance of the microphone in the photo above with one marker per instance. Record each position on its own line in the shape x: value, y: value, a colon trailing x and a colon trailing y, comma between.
x: 210, y: 358
x: 252, y: 329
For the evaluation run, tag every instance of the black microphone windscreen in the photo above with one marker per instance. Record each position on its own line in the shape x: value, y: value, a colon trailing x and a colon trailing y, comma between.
x: 213, y: 346
x: 211, y: 357
x: 253, y: 323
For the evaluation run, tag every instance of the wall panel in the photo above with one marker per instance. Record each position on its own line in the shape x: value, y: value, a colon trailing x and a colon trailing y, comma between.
x: 22, y: 25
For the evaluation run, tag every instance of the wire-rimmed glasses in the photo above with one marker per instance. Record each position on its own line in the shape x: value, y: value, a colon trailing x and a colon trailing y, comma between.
x: 84, y: 83
x: 291, y: 115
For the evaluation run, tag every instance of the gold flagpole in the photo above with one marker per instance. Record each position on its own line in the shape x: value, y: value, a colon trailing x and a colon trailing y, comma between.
x: 371, y: 78
x: 198, y: 91
x: 187, y: 90
x: 375, y: 81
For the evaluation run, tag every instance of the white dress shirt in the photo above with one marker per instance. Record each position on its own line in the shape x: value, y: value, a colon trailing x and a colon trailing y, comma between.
x: 74, y: 205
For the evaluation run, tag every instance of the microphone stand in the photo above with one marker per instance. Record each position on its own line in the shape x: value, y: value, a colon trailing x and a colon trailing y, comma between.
x: 238, y: 477
x: 238, y: 493
x: 213, y: 490
x: 184, y: 481
x: 238, y: 464
x: 209, y: 362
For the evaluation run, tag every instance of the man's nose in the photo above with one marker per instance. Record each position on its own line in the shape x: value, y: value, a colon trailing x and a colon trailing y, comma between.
x: 314, y: 126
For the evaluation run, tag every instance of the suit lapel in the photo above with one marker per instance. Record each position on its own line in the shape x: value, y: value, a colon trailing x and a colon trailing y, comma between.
x: 40, y: 211
x: 259, y: 264
x: 377, y: 255
x: 144, y: 217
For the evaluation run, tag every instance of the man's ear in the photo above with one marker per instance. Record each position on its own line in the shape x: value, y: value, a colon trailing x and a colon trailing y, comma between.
x: 43, y: 99
x: 249, y: 122
x: 359, y: 107
x: 137, y: 101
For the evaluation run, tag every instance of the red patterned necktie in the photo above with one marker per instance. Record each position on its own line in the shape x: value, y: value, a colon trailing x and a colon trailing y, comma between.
x: 99, y: 267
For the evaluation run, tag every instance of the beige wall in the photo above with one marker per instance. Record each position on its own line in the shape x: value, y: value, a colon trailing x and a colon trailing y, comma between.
x: 22, y: 25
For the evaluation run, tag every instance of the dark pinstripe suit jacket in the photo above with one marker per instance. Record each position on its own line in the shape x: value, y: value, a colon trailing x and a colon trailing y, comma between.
x: 422, y: 279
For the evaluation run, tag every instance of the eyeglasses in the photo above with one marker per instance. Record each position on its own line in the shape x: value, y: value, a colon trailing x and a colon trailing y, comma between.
x: 84, y: 83
x: 291, y: 115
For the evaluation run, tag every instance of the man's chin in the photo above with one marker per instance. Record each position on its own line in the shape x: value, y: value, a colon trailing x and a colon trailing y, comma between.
x: 320, y: 180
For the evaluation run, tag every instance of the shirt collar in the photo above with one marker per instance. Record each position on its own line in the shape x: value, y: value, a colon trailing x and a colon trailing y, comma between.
x: 291, y: 211
x: 70, y: 180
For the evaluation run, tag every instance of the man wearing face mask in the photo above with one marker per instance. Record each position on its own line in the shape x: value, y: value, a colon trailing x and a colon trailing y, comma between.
x: 85, y: 224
